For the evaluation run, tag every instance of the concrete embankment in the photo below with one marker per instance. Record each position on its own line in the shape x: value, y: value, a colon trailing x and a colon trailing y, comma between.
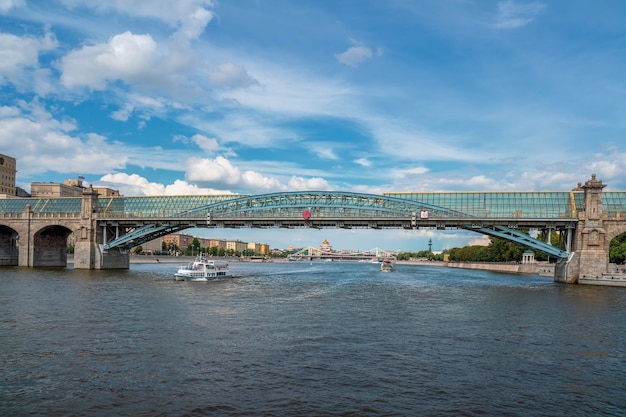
x: 543, y: 269
x: 509, y: 268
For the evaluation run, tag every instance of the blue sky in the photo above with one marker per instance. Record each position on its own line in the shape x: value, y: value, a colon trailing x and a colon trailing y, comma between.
x: 157, y: 97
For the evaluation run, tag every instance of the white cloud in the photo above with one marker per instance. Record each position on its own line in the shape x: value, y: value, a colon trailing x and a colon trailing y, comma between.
x: 307, y: 184
x: 403, y: 140
x: 221, y: 173
x: 194, y: 23
x: 292, y: 91
x: 323, y: 151
x: 41, y: 143
x: 354, y: 56
x: 189, y: 16
x: 209, y: 145
x: 482, y: 240
x: 512, y: 15
x: 416, y: 171
x: 231, y: 75
x: 134, y: 184
x: 150, y: 102
x: 258, y: 183
x: 7, y: 111
x: 251, y: 130
x: 123, y: 113
x: 363, y: 162
x: 127, y: 57
x: 18, y: 53
x: 6, y: 5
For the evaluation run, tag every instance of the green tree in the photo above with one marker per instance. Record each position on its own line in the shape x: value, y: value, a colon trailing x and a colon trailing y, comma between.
x: 501, y: 250
x: 196, y: 245
x: 498, y: 250
x: 617, y: 249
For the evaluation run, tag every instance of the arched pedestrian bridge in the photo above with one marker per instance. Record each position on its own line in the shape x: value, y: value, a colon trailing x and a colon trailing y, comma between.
x: 34, y: 231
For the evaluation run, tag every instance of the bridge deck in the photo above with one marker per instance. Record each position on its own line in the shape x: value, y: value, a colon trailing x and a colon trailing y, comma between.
x: 500, y: 205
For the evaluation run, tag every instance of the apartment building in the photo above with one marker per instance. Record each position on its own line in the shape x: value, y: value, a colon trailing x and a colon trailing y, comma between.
x: 8, y: 170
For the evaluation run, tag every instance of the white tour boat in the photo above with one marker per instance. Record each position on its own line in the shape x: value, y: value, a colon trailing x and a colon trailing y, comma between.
x: 386, y: 266
x: 202, y: 269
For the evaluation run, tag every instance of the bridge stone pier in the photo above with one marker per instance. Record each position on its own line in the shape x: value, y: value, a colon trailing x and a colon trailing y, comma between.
x: 589, y: 256
x: 88, y: 253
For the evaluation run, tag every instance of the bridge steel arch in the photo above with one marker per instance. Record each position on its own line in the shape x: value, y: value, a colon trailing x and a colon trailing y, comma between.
x: 333, y: 209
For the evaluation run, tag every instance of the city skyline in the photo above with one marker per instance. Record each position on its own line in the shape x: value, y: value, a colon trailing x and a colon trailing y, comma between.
x: 198, y: 97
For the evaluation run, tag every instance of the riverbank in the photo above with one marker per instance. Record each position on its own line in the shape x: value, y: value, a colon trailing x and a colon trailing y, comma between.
x: 543, y: 269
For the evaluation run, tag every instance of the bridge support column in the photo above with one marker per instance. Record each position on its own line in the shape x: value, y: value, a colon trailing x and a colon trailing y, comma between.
x: 26, y: 252
x: 112, y: 259
x: 590, y: 257
x: 88, y: 253
x: 567, y: 270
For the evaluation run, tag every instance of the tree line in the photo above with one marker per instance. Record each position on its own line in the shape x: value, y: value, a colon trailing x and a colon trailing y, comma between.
x: 498, y: 250
x: 501, y: 250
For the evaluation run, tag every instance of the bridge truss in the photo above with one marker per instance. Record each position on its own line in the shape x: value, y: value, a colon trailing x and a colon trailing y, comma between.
x: 323, y: 209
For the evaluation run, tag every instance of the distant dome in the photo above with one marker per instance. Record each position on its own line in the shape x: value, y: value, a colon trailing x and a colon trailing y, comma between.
x: 326, y: 246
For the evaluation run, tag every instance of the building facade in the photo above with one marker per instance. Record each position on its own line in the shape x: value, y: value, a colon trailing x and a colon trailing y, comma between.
x: 259, y: 248
x: 69, y: 188
x: 179, y: 240
x: 182, y: 242
x: 236, y: 245
x: 8, y: 170
x: 217, y: 243
x: 153, y: 246
x: 54, y: 189
x: 326, y: 247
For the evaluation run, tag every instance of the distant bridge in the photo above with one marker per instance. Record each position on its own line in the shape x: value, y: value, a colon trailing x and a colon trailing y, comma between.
x: 34, y: 231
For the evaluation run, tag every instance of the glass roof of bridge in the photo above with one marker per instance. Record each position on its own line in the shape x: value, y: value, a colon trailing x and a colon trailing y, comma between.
x: 42, y: 205
x: 614, y: 202
x: 161, y: 206
x: 531, y: 204
x: 116, y: 206
x: 513, y: 204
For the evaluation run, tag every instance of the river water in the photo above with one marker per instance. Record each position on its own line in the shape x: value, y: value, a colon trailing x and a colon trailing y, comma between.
x: 308, y: 339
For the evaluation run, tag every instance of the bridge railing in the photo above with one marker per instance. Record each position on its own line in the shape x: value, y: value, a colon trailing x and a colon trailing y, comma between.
x: 40, y: 215
x: 616, y: 214
x: 12, y: 215
x: 55, y: 215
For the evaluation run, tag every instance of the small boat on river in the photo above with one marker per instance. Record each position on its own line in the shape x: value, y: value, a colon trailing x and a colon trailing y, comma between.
x: 202, y: 269
x: 386, y: 266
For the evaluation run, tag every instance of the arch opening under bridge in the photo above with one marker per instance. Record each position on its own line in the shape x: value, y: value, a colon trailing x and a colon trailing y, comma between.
x: 50, y: 246
x: 8, y: 246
